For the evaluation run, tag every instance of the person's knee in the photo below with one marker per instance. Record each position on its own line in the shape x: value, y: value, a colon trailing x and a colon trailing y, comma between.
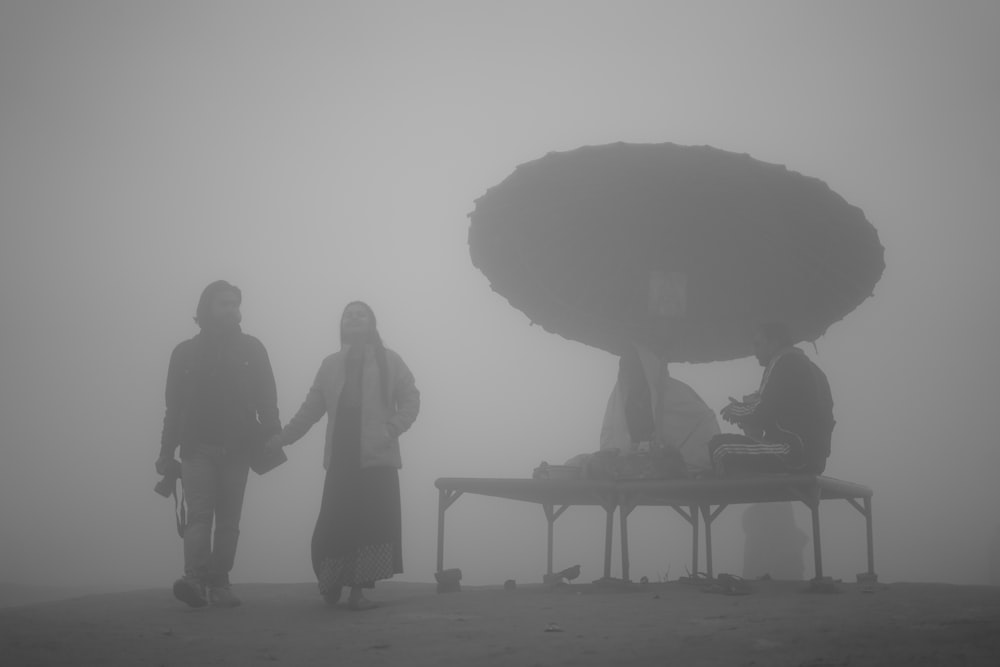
x: 716, y: 440
x: 199, y: 515
x: 229, y: 525
x: 227, y: 518
x: 229, y: 512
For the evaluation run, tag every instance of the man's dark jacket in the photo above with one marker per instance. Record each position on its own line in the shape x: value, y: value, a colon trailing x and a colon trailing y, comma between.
x: 220, y: 392
x: 795, y: 399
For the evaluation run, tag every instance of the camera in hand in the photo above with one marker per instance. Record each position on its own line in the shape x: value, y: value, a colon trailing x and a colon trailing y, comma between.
x: 166, y: 486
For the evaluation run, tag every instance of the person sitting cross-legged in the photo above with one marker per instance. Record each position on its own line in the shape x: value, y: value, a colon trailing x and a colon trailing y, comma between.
x: 787, y: 423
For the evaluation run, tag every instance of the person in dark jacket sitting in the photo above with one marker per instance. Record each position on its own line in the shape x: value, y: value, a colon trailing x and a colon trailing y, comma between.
x: 220, y: 403
x: 787, y: 423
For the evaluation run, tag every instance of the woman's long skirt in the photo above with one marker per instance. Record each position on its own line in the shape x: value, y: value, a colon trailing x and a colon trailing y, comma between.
x: 357, y: 539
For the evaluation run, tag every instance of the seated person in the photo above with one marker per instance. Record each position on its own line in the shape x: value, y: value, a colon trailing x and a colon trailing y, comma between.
x: 648, y: 409
x: 787, y: 423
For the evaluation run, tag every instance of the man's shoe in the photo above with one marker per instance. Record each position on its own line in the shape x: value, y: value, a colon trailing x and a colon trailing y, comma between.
x: 222, y: 596
x: 190, y: 591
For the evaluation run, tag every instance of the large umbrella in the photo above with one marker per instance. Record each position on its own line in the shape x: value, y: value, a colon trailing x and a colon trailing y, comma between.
x: 589, y: 243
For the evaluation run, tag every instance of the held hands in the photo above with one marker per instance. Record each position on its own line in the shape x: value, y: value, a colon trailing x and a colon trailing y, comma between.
x: 274, y: 444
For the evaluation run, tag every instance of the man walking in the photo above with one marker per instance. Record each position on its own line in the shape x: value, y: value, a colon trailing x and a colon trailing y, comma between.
x: 220, y: 404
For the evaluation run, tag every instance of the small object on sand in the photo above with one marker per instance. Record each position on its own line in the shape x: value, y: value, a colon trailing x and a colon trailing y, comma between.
x: 823, y: 585
x: 611, y: 582
x: 448, y: 580
x: 734, y: 585
x: 552, y: 627
x: 729, y: 584
x: 868, y: 581
x: 569, y: 574
x: 644, y: 581
x: 509, y: 585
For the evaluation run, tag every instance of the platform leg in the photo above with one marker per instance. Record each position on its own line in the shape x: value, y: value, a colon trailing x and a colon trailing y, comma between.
x: 442, y: 506
x: 817, y: 544
x: 608, y: 536
x: 706, y: 511
x: 550, y: 519
x: 694, y: 539
x: 871, y: 544
x: 551, y: 531
x: 445, y: 500
x: 624, y: 509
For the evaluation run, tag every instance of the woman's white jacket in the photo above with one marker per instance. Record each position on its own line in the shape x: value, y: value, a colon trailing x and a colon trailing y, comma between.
x: 381, y: 424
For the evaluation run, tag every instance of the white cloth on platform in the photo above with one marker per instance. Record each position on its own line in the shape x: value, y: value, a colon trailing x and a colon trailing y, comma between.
x: 683, y: 420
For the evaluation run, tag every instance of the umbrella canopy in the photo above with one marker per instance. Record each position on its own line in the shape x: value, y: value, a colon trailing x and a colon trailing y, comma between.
x: 591, y: 242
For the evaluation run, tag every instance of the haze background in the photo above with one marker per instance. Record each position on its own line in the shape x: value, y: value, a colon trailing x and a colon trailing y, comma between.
x: 314, y: 153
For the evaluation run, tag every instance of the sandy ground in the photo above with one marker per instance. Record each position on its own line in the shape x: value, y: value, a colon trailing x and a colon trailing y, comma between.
x: 579, y: 624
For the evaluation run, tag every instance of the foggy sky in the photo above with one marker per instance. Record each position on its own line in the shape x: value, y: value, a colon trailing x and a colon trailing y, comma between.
x: 315, y: 153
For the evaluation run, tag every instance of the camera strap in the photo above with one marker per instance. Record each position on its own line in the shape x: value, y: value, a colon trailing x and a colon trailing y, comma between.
x: 180, y: 511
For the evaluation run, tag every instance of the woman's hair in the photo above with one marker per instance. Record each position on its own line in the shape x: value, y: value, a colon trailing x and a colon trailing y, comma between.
x: 638, y: 401
x: 375, y: 339
x: 203, y: 314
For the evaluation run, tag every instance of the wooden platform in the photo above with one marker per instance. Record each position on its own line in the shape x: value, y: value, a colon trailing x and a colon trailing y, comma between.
x: 697, y: 500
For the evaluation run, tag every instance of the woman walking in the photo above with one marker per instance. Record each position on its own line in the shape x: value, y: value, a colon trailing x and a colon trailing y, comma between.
x: 370, y: 398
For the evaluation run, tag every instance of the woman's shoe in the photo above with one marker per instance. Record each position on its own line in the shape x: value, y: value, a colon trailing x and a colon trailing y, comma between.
x: 332, y: 596
x: 360, y: 603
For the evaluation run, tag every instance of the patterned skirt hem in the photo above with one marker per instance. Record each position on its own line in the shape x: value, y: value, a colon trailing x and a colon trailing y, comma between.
x: 365, y: 566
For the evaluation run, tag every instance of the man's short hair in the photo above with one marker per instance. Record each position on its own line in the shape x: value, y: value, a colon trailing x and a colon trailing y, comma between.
x: 204, y: 312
